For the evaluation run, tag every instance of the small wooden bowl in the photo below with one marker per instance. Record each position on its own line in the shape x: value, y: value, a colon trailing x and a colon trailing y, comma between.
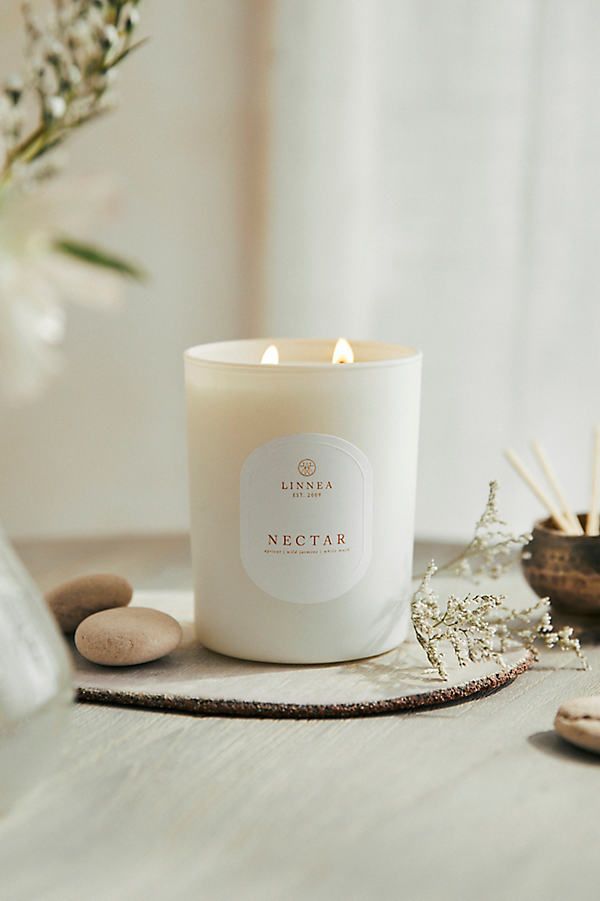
x: 565, y: 568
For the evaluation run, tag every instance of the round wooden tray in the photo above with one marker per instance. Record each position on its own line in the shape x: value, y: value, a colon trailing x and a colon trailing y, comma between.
x: 197, y: 681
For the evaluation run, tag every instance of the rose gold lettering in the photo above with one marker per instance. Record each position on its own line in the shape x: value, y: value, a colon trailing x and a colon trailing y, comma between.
x: 308, y: 486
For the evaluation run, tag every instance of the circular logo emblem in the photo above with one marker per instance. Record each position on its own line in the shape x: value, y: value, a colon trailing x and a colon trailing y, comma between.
x: 307, y: 467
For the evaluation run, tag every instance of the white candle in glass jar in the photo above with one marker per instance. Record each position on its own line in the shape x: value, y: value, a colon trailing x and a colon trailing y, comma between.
x: 302, y: 487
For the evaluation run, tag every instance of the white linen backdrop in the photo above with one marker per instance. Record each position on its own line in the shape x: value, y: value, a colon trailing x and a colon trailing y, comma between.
x: 424, y: 171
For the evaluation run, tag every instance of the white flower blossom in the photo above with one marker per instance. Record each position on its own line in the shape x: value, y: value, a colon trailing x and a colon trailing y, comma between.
x: 56, y: 107
x: 35, y: 281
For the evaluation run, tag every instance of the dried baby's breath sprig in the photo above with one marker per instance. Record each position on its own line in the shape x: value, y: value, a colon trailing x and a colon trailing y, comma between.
x: 531, y: 627
x: 482, y: 627
x: 463, y: 625
x: 493, y: 548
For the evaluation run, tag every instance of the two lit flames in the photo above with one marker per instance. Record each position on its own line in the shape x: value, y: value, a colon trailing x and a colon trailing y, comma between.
x: 342, y: 353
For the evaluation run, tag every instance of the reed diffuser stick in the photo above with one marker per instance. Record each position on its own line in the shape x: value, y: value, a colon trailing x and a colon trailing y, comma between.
x: 562, y: 523
x: 592, y: 526
x: 552, y: 478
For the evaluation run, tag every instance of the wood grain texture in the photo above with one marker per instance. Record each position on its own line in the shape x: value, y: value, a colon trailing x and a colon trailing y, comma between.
x: 469, y: 802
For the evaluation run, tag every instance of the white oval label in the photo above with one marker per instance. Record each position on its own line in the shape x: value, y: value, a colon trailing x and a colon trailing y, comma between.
x: 306, y: 512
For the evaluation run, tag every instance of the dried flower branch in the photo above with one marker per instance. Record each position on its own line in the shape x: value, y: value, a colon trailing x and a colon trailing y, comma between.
x: 71, y: 60
x: 493, y: 548
x: 482, y: 627
x: 73, y: 51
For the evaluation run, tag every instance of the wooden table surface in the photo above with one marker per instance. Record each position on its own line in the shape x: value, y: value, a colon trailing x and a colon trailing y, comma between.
x: 477, y: 801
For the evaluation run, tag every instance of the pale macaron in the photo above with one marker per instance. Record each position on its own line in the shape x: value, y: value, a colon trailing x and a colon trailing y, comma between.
x: 578, y: 721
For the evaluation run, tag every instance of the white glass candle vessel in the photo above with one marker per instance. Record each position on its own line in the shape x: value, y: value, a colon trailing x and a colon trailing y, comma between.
x: 302, y: 478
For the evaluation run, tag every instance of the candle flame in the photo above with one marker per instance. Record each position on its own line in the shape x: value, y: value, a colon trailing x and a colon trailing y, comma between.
x: 270, y: 356
x: 343, y: 352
